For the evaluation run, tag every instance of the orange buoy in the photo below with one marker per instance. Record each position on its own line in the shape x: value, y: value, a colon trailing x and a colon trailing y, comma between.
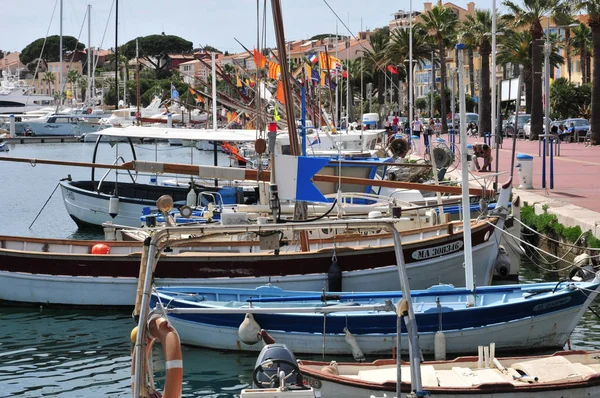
x: 100, y: 248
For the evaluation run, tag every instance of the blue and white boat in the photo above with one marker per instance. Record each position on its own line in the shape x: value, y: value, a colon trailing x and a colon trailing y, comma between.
x: 523, y: 316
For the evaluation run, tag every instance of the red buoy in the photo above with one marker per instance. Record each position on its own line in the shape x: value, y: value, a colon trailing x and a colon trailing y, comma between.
x: 100, y: 248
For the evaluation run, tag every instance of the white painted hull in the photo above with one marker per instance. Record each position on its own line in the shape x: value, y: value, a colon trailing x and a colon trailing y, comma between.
x: 44, y: 128
x: 551, y: 330
x: 94, y: 209
x: 77, y: 290
x: 333, y: 390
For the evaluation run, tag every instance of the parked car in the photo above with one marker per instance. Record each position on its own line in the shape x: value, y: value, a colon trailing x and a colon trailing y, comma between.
x: 527, y: 127
x: 581, y: 126
x: 510, y: 124
x: 470, y: 118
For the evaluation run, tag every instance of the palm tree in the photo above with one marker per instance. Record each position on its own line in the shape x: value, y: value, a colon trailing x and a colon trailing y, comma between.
x: 49, y: 78
x: 441, y: 21
x: 73, y: 78
x: 565, y: 19
x: 530, y: 16
x: 593, y: 10
x: 465, y: 30
x: 480, y: 25
x: 398, y: 49
x: 515, y: 51
x: 376, y: 59
x: 582, y: 44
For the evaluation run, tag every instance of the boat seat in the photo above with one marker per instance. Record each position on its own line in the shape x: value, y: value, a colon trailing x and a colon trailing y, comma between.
x: 553, y: 369
x: 382, y: 375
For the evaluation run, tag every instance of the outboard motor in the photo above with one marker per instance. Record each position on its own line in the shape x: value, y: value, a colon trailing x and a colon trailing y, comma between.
x: 276, y: 366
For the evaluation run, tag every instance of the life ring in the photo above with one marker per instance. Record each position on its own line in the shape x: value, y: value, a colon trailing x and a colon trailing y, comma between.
x: 160, y: 328
x: 137, y: 115
x: 89, y: 111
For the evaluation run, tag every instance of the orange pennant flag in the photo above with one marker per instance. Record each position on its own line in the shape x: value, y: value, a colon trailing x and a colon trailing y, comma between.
x: 280, y: 96
x: 259, y: 59
x: 274, y: 70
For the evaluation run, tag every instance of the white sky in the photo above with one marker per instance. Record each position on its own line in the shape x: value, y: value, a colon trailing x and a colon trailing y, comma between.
x: 213, y: 22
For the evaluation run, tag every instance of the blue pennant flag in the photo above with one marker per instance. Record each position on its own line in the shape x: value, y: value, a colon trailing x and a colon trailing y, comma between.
x: 295, y: 183
x: 174, y: 92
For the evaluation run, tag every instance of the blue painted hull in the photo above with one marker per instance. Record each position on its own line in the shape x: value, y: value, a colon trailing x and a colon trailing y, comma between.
x: 494, y: 305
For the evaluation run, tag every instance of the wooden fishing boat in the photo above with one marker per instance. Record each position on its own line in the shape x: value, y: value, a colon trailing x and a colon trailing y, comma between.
x: 513, y: 316
x: 55, y: 271
x: 572, y: 374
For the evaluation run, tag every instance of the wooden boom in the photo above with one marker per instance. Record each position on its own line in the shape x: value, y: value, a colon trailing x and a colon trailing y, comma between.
x: 233, y: 173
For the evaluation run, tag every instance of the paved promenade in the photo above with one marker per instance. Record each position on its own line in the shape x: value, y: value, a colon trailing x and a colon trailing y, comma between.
x: 575, y: 198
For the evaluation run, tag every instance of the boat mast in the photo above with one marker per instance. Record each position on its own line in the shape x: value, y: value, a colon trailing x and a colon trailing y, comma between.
x: 60, y: 58
x: 285, y: 78
x: 89, y: 57
x: 117, y: 54
x: 466, y: 206
x: 137, y: 78
x: 214, y: 90
x: 300, y: 207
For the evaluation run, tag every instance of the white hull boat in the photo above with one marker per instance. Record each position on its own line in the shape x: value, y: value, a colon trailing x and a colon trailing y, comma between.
x: 573, y: 374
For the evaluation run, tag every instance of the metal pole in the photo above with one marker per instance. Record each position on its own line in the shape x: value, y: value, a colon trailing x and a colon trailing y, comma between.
x: 214, y: 90
x: 498, y: 135
x: 547, y: 49
x: 60, y: 52
x: 469, y: 279
x: 89, y: 57
x: 431, y: 88
x: 303, y: 118
x: 514, y: 143
x: 495, y: 132
x: 410, y: 66
x: 116, y: 54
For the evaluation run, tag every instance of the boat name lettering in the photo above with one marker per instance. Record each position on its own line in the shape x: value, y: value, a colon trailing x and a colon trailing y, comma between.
x: 552, y: 304
x: 437, y: 251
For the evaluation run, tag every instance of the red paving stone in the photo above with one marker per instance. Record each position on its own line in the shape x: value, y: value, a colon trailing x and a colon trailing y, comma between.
x: 576, y: 171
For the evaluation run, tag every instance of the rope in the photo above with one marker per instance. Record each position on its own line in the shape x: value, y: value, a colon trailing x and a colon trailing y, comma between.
x: 535, y: 248
x: 554, y: 240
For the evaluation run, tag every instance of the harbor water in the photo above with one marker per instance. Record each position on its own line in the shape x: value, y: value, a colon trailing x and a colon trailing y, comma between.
x: 86, y: 353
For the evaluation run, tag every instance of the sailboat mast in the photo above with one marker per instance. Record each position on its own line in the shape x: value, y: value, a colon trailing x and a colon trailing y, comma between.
x: 137, y: 77
x: 214, y: 89
x: 117, y: 54
x: 468, y: 250
x: 285, y: 78
x: 89, y: 57
x: 60, y: 59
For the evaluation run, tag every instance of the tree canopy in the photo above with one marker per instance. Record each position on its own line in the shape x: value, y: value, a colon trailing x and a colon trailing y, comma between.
x: 154, y: 49
x: 51, y: 50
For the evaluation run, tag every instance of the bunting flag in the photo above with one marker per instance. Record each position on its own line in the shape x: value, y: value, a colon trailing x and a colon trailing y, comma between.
x: 329, y: 62
x: 345, y: 74
x: 308, y: 70
x: 280, y: 95
x: 392, y: 69
x: 274, y: 70
x: 197, y: 97
x: 313, y: 58
x: 276, y: 116
x: 314, y: 76
x: 259, y: 59
x: 238, y: 81
x: 325, y: 81
x: 174, y: 92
